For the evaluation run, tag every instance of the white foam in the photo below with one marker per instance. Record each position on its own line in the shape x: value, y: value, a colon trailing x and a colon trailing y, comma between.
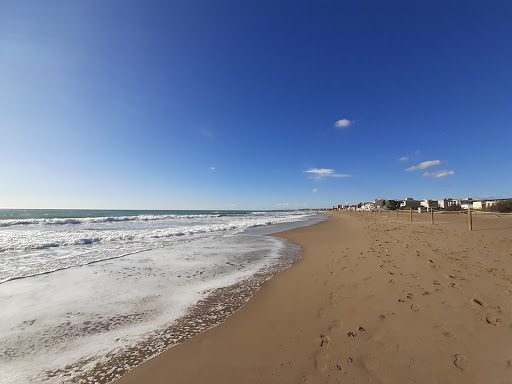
x: 35, y: 249
x: 92, y: 220
x: 55, y: 320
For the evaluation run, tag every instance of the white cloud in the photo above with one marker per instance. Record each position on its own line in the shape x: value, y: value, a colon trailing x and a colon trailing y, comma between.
x: 425, y: 165
x: 412, y: 156
x: 324, y: 172
x: 283, y: 205
x: 212, y: 168
x: 315, y: 190
x: 343, y: 123
x: 442, y: 173
x: 321, y: 172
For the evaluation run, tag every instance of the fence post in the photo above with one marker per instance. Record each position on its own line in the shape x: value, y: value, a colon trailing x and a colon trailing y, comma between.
x: 470, y: 219
x: 410, y: 218
x: 431, y: 216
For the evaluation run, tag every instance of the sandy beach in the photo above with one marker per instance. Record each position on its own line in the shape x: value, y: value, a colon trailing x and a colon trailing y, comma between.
x: 374, y: 299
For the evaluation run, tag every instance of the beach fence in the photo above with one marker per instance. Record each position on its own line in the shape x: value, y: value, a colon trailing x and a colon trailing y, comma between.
x: 409, y: 212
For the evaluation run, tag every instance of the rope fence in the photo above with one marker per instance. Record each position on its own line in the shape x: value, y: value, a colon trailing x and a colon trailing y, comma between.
x: 433, y: 214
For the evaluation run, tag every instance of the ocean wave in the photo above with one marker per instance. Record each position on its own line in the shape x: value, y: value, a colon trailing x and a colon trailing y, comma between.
x: 95, y: 220
x: 16, y: 241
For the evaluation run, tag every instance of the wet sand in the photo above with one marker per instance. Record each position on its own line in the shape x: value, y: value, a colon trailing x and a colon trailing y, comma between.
x: 373, y: 300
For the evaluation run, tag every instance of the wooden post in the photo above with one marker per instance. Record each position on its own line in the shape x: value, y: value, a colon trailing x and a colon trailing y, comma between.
x: 431, y: 216
x: 470, y: 219
x: 410, y: 218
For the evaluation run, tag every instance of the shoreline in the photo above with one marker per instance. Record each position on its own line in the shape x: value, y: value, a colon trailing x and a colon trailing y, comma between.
x: 217, y: 305
x: 143, y: 303
x: 371, y: 300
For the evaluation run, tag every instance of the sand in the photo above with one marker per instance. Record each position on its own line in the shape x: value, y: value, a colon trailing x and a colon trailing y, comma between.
x: 373, y: 300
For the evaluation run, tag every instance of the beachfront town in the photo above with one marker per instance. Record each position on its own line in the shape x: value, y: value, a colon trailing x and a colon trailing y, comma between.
x: 499, y: 205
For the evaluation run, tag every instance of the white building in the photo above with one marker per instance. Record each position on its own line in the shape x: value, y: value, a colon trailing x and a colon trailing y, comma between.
x: 478, y: 204
x: 447, y: 203
x: 369, y: 206
x: 466, y: 203
x: 429, y: 203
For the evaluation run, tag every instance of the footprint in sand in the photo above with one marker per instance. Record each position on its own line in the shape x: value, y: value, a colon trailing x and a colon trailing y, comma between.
x: 335, y: 325
x: 320, y: 364
x: 479, y: 302
x: 415, y: 307
x: 461, y: 362
x: 324, y: 341
x: 492, y: 320
x: 448, y: 333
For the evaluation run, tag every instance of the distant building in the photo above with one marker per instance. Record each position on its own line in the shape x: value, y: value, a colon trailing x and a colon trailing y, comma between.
x: 447, y: 203
x: 380, y: 204
x: 429, y: 203
x: 466, y: 203
x: 479, y: 204
x: 410, y: 203
x: 369, y: 206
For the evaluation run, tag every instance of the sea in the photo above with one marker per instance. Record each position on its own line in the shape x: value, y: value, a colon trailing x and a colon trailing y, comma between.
x: 87, y: 295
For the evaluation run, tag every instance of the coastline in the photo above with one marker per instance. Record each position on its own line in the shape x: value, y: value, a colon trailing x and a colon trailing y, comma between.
x: 180, y: 273
x: 371, y: 300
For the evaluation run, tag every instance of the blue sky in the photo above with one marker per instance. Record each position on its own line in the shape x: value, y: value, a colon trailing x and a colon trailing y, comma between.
x: 253, y: 104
